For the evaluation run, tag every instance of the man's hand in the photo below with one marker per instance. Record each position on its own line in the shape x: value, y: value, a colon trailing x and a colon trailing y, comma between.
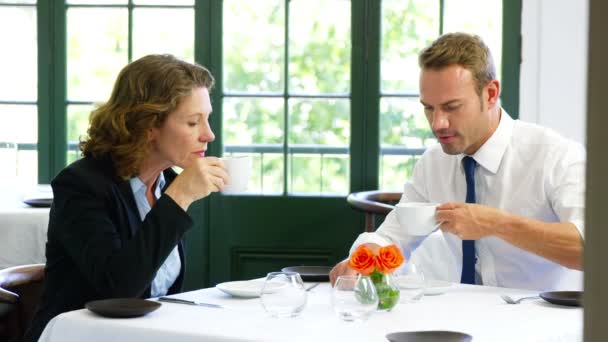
x: 340, y: 269
x: 468, y: 221
x: 343, y: 269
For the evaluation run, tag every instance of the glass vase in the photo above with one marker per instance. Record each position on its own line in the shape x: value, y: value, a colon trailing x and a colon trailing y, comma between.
x: 387, y: 289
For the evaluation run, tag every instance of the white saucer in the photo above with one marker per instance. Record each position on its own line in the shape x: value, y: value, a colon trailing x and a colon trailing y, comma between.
x: 436, y: 287
x: 246, y: 288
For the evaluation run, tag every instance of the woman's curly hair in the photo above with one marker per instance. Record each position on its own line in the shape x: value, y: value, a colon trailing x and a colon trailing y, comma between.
x: 145, y: 92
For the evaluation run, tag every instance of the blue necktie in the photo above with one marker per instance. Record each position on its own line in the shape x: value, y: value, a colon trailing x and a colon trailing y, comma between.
x: 468, y: 246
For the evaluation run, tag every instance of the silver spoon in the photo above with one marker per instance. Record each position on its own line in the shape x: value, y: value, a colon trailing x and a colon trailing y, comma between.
x: 510, y: 300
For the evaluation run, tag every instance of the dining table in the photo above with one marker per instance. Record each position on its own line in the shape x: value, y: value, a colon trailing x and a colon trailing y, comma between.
x: 472, y: 309
x: 23, y: 231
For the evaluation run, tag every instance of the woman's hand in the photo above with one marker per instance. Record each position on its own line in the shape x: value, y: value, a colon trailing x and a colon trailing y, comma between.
x: 202, y: 177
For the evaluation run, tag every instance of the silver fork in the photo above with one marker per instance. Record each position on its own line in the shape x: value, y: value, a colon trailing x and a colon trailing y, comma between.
x: 510, y: 300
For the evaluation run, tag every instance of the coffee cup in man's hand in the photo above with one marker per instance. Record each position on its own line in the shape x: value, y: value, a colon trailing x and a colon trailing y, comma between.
x: 417, y: 218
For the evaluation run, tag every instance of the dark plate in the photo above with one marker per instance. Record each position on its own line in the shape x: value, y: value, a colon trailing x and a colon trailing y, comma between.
x: 429, y: 336
x: 122, y: 307
x: 568, y: 298
x: 38, y: 202
x: 310, y: 273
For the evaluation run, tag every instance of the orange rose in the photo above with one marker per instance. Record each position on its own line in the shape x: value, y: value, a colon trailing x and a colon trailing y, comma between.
x: 362, y: 260
x: 388, y: 259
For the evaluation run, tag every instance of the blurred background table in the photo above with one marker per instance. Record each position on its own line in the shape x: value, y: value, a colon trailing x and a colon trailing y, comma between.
x: 475, y: 310
x: 22, y: 231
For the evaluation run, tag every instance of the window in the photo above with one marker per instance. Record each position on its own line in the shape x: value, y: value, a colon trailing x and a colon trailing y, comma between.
x: 286, y: 93
x: 18, y: 91
x: 290, y: 77
x: 123, y: 31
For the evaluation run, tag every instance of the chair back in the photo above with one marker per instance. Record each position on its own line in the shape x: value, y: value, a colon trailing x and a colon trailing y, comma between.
x: 20, y: 293
x: 373, y: 203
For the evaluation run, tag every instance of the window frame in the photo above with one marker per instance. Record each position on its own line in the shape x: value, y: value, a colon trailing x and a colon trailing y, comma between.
x: 365, y: 149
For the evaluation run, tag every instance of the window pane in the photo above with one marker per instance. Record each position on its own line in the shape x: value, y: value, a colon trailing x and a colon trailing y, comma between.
x: 322, y: 127
x: 319, y: 46
x: 323, y: 122
x: 164, y: 2
x: 335, y: 174
x: 483, y: 18
x: 407, y: 27
x: 318, y: 174
x: 17, y: 1
x: 19, y: 126
x: 164, y: 30
x: 8, y: 160
x: 270, y: 175
x: 78, y: 123
x: 266, y: 173
x: 396, y: 170
x: 304, y: 174
x: 97, y: 2
x: 96, y: 53
x: 403, y: 123
x: 405, y: 130
x: 19, y: 123
x: 253, y: 121
x: 19, y: 67
x: 257, y: 124
x: 27, y: 166
x: 254, y: 57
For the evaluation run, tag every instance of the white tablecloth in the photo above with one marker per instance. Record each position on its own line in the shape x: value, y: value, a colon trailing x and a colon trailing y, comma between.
x: 476, y: 310
x: 22, y: 232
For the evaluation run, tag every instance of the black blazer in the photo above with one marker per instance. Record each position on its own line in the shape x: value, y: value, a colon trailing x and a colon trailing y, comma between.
x: 97, y: 246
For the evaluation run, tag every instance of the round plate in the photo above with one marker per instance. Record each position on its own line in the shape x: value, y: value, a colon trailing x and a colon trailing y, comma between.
x: 122, y: 307
x: 429, y: 336
x: 567, y: 298
x: 246, y: 288
x: 310, y: 273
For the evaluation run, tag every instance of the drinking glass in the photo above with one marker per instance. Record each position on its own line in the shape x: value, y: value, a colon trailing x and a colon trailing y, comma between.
x: 354, y: 298
x: 283, y: 294
x: 412, y: 283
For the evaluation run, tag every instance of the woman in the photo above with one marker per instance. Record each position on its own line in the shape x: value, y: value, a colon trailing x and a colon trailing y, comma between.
x: 119, y: 213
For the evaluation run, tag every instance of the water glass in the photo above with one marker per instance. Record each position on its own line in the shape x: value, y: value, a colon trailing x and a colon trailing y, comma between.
x: 283, y: 294
x: 412, y: 283
x: 354, y: 298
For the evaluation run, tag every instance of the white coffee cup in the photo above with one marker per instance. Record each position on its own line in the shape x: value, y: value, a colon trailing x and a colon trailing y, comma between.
x: 239, y: 171
x: 417, y: 218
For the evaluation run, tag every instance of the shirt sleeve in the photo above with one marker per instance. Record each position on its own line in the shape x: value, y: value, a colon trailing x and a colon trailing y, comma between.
x: 566, y: 188
x: 390, y: 231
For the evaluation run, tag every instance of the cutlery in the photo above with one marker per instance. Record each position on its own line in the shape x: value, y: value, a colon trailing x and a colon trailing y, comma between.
x: 510, y: 300
x: 189, y: 302
x: 312, y: 286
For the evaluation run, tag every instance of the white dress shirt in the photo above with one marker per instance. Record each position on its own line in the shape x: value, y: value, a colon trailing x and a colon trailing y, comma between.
x: 169, y: 271
x: 524, y: 169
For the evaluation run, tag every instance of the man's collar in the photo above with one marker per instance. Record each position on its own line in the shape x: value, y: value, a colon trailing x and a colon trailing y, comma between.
x: 490, y: 154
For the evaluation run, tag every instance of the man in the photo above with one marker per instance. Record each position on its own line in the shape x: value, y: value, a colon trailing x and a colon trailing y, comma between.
x: 523, y: 223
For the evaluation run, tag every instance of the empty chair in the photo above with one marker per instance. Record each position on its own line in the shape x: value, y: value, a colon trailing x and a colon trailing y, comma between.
x: 20, y: 292
x: 372, y: 203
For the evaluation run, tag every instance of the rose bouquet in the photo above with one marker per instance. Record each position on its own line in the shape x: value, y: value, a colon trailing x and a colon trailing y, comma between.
x: 379, y: 266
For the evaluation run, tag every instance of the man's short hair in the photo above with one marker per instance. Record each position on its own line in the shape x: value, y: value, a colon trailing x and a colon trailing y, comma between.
x: 463, y: 49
